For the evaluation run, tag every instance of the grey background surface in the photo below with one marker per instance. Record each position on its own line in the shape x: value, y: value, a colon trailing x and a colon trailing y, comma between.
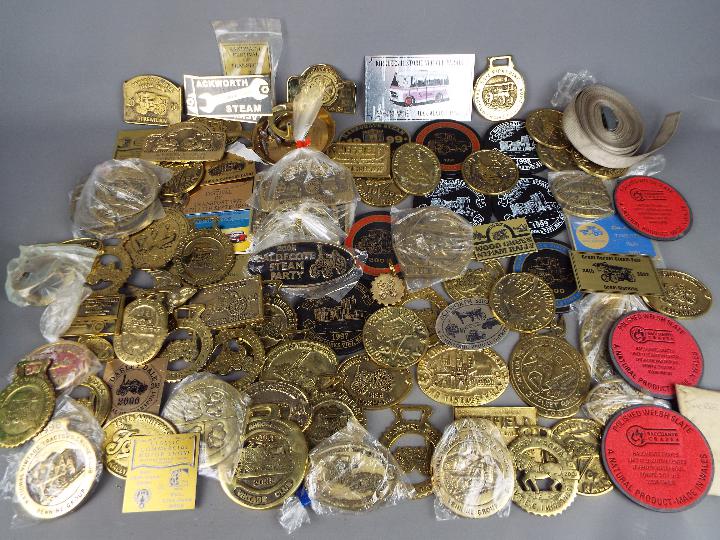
x: 62, y: 64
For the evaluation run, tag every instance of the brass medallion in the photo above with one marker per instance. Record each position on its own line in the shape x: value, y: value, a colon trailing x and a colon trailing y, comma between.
x: 99, y: 402
x: 490, y: 172
x: 338, y: 96
x: 155, y: 245
x: 213, y: 408
x: 523, y: 302
x: 331, y: 411
x: 545, y: 126
x: 556, y: 159
x: 184, y: 141
x: 300, y: 363
x: 511, y: 421
x: 387, y: 289
x: 683, y: 297
x: 57, y: 473
x: 144, y: 329
x: 129, y: 142
x: 271, y: 462
x: 605, y: 173
x: 135, y: 388
x: 153, y: 100
x: 609, y: 396
x: 241, y: 356
x: 233, y: 129
x: 100, y: 347
x: 379, y: 192
x: 119, y: 433
x: 415, y: 169
x: 557, y: 466
x: 291, y: 401
x: 279, y: 323
x: 185, y: 178
x: 351, y: 476
x: 475, y: 282
x: 472, y: 470
x: 583, y: 195
x: 107, y: 276
x: 204, y: 256
x: 549, y: 374
x: 469, y: 324
x: 462, y: 378
x: 27, y: 404
x: 581, y: 437
x: 413, y: 458
x: 365, y: 160
x: 187, y: 352
x: 395, y: 337
x: 373, y: 386
x: 499, y: 92
x: 231, y: 303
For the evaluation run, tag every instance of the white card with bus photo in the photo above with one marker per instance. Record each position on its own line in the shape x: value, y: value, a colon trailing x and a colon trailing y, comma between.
x: 424, y: 87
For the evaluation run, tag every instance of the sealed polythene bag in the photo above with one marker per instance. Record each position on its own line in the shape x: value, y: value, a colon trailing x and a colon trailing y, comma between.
x: 306, y: 173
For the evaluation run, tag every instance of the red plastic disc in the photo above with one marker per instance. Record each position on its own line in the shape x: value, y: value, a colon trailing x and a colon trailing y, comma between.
x: 652, y: 208
x: 657, y: 457
x: 654, y: 353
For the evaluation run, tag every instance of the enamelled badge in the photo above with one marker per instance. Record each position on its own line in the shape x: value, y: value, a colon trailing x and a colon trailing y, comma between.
x: 451, y: 141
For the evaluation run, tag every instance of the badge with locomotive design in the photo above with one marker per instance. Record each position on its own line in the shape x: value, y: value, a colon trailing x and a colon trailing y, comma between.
x: 512, y: 139
x: 129, y: 142
x: 531, y: 199
x: 499, y: 91
x: 184, y: 141
x: 371, y: 233
x: 149, y: 99
x: 502, y: 239
x: 231, y: 303
x: 452, y: 142
x: 454, y: 194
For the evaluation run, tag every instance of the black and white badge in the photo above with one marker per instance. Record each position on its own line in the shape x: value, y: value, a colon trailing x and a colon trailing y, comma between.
x: 245, y: 97
x: 453, y: 193
x: 531, y: 199
x: 511, y: 138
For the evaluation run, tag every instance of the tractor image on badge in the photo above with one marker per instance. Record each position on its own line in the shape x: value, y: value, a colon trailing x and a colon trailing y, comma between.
x: 613, y: 273
x: 418, y: 87
x: 445, y: 143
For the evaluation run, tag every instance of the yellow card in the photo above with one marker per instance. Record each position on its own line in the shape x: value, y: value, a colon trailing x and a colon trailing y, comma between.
x: 162, y: 474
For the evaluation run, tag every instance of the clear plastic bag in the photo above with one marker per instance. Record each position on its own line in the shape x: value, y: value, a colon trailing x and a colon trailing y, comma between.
x: 293, y: 513
x: 51, y: 275
x: 71, y: 363
x: 581, y: 194
x: 119, y: 197
x: 650, y: 166
x: 597, y: 314
x: 608, y: 397
x: 55, y: 472
x: 217, y: 410
x: 569, y: 86
x: 306, y: 221
x: 306, y: 173
x: 432, y: 244
x: 470, y: 455
x: 351, y: 472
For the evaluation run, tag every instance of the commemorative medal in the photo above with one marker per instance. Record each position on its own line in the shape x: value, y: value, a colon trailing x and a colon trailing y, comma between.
x: 462, y: 378
x: 57, y: 473
x: 388, y: 289
x: 27, y: 404
x: 231, y: 97
x: 339, y: 96
x: 413, y: 458
x: 583, y: 195
x: 365, y: 160
x: 615, y: 273
x: 604, y: 173
x: 545, y: 126
x: 98, y: 315
x: 556, y: 159
x: 213, y: 408
x: 119, y: 433
x: 149, y: 99
x: 499, y: 91
x: 653, y: 353
x: 230, y: 168
x: 474, y: 282
x: 371, y: 233
x: 395, y: 337
x: 645, y: 443
x: 203, y: 256
x: 135, y: 388
x: 531, y: 199
x: 415, y: 169
x: 100, y: 347
x: 549, y: 374
x: 490, y: 172
x: 452, y: 142
x: 683, y: 297
x: 499, y: 239
x: 523, y: 302
x: 184, y: 141
x: 581, y: 437
x: 512, y: 139
x: 376, y: 132
x: 129, y: 142
x: 379, y: 192
x: 469, y: 324
x: 231, y: 303
x: 300, y: 363
x: 511, y: 421
x: 332, y: 409
x: 373, y: 386
x: 240, y: 357
x: 279, y: 322
x: 611, y: 395
x: 143, y: 332
x: 155, y: 245
x: 99, y: 402
x: 292, y: 403
x: 454, y: 194
x: 106, y: 276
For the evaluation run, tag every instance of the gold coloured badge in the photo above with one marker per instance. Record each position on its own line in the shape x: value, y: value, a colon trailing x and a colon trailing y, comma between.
x: 185, y: 178
x: 475, y: 282
x: 413, y: 458
x: 379, y: 192
x: 194, y: 352
x: 684, y: 296
x: 556, y: 159
x: 57, y: 473
x: 231, y: 303
x: 545, y: 127
x: 523, y: 302
x: 373, y: 386
x: 99, y: 402
x: 499, y: 91
x: 366, y: 160
x: 204, y: 256
x: 155, y: 245
x: 98, y: 315
x: 135, y: 388
x: 395, y: 337
x: 615, y: 273
x: 605, y: 173
x: 581, y: 194
x: 149, y: 99
x: 144, y: 328
x: 388, y: 289
x: 292, y: 403
x: 241, y: 355
x: 27, y: 404
x: 129, y: 142
x: 502, y: 239
x: 509, y: 420
x: 300, y: 363
x: 415, y: 169
x: 110, y: 270
x: 339, y: 96
x: 230, y: 168
x: 184, y: 141
x: 332, y: 408
x: 490, y: 172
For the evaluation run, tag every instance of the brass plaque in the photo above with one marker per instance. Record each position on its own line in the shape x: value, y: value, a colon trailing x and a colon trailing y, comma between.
x: 365, y: 160
x: 149, y: 99
x: 184, y: 141
x: 502, y: 239
x: 98, y: 315
x: 232, y: 303
x: 228, y: 169
x: 219, y: 197
x: 615, y: 273
x: 245, y: 58
x: 509, y: 420
x: 129, y: 142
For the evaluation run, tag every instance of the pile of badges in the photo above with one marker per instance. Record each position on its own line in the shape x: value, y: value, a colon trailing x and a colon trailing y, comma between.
x: 193, y: 347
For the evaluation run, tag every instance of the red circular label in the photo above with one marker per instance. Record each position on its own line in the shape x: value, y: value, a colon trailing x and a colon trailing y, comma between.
x: 451, y: 142
x: 652, y: 208
x: 657, y: 457
x: 654, y: 353
x: 69, y: 361
x: 372, y: 234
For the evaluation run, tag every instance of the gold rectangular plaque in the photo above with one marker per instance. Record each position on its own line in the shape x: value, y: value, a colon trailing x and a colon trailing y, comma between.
x: 228, y: 169
x: 129, y: 142
x: 98, y: 315
x: 615, y: 273
x: 502, y: 239
x: 162, y: 473
x: 509, y: 420
x: 365, y: 160
x: 184, y: 141
x: 231, y: 303
x: 219, y: 197
x: 245, y: 58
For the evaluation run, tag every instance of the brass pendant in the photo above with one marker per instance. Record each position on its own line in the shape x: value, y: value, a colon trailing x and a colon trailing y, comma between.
x: 499, y: 91
x: 106, y: 277
x: 231, y: 304
x: 300, y: 363
x: 204, y: 256
x: 153, y: 100
x: 99, y: 402
x: 187, y: 350
x: 144, y: 329
x: 395, y: 337
x: 241, y: 356
x: 332, y: 408
x: 387, y: 289
x: 339, y: 95
x: 292, y: 403
x: 545, y: 127
x: 523, y: 302
x: 27, y: 404
x: 155, y: 245
x: 373, y: 386
x: 475, y: 282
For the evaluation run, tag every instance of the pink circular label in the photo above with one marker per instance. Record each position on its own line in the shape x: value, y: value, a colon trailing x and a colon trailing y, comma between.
x: 652, y: 208
x: 657, y: 457
x: 654, y: 353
